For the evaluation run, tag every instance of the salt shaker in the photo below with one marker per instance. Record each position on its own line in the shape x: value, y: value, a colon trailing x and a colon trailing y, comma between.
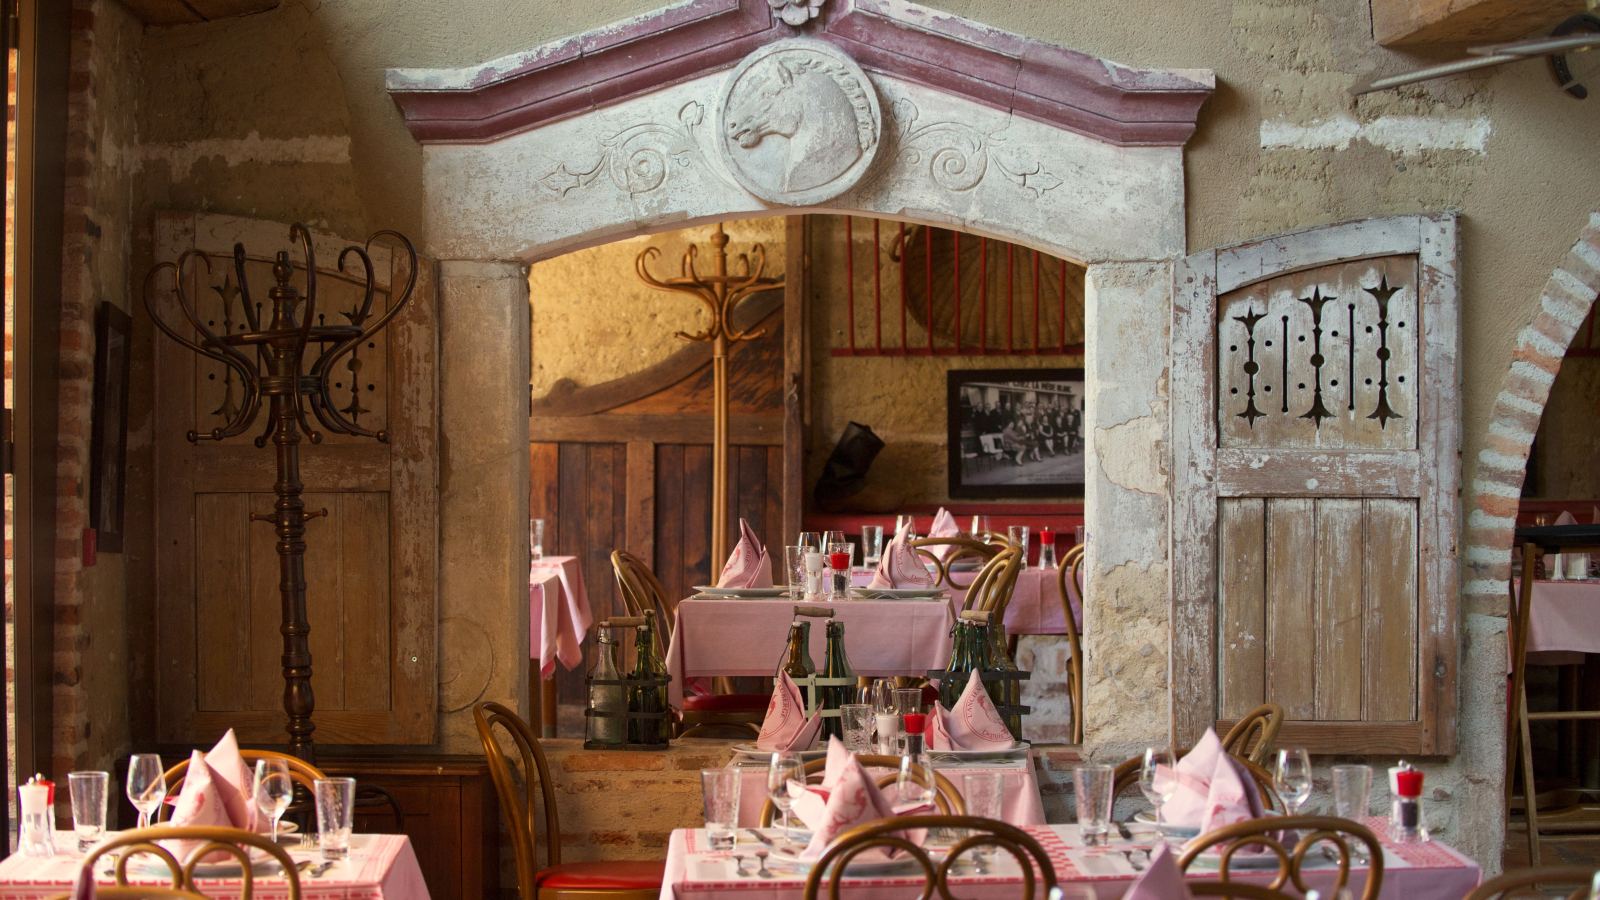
x: 1406, y: 815
x: 813, y: 575
x: 37, y: 835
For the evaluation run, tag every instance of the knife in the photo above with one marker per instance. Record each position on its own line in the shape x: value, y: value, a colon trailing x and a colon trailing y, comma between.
x: 1122, y: 829
x: 760, y: 837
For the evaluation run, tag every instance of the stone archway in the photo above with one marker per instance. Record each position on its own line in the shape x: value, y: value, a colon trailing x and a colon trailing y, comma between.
x: 578, y: 143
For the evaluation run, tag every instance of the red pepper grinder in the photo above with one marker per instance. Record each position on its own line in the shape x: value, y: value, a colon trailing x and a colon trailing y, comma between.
x: 1406, y: 817
x: 916, y: 724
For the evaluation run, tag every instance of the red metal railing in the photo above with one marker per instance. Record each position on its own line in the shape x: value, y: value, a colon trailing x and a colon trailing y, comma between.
x: 1052, y: 324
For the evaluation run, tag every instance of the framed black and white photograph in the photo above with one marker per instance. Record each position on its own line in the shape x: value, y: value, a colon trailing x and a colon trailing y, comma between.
x: 1016, y: 433
x: 108, y: 445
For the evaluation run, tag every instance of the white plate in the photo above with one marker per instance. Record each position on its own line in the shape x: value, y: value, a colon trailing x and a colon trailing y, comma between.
x: 1239, y: 861
x: 869, y: 593
x: 261, y: 863
x: 742, y: 592
x: 1167, y: 828
x: 1016, y: 752
x: 857, y: 868
x: 751, y: 750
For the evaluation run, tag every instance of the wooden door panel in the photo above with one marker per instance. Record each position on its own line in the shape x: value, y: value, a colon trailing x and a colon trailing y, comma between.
x: 1391, y: 607
x: 221, y: 582
x: 1242, y: 602
x: 1338, y: 610
x: 1290, y: 643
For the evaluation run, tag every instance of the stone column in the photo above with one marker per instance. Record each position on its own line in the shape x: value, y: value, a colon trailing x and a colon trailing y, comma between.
x: 483, y: 493
x: 1127, y: 317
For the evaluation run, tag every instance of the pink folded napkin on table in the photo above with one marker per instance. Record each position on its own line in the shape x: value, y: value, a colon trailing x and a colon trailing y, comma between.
x: 1193, y: 776
x: 1160, y: 880
x: 748, y: 565
x: 944, y: 526
x: 786, y: 726
x: 235, y: 783
x: 1566, y: 518
x: 1232, y: 798
x: 200, y: 803
x: 811, y: 801
x: 855, y: 800
x: 974, y: 723
x: 900, y: 566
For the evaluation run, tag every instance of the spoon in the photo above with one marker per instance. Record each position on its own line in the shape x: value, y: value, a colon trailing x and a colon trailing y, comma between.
x: 764, y: 872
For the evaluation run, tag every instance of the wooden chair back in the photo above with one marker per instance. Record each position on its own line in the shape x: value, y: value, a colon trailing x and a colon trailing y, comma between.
x: 520, y: 804
x: 642, y: 590
x: 1270, y: 832
x: 961, y: 548
x: 981, y: 833
x: 1530, y: 881
x: 948, y: 800
x: 1127, y: 776
x: 1070, y: 574
x: 991, y: 590
x: 235, y: 842
x: 1262, y: 724
x: 302, y: 773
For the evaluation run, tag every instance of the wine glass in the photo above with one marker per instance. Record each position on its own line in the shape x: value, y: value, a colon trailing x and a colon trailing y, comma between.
x: 273, y: 790
x: 1292, y: 778
x: 906, y: 784
x: 785, y: 767
x: 1155, y: 778
x: 981, y: 528
x: 147, y: 785
x: 909, y: 523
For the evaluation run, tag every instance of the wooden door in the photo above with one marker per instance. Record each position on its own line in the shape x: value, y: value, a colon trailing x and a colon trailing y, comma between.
x: 370, y: 563
x: 1315, y: 470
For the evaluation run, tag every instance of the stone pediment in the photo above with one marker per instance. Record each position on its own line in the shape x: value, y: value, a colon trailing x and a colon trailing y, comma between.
x: 1037, y: 80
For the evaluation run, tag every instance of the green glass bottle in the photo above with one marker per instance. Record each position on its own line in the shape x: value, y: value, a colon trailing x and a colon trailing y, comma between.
x: 644, y: 698
x: 805, y: 646
x: 1011, y: 688
x: 611, y: 698
x: 955, y: 673
x: 835, y: 665
x: 983, y: 661
x: 796, y: 664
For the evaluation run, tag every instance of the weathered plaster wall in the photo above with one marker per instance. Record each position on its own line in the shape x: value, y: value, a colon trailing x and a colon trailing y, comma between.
x: 1568, y: 451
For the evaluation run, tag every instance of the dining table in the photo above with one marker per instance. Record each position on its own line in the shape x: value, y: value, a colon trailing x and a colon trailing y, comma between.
x: 558, y: 613
x: 379, y: 867
x: 1563, y: 621
x: 1035, y: 606
x: 1430, y: 870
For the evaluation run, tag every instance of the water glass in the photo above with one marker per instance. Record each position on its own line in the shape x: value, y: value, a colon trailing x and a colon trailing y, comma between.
x: 794, y: 564
x: 871, y: 545
x: 336, y: 807
x: 1018, y: 536
x: 1047, y: 549
x: 983, y: 792
x: 720, y: 790
x: 147, y: 785
x: 811, y: 540
x: 829, y: 538
x: 857, y: 721
x: 907, y: 700
x: 1352, y: 786
x: 1292, y: 778
x: 90, y: 794
x: 536, y: 538
x: 1092, y: 785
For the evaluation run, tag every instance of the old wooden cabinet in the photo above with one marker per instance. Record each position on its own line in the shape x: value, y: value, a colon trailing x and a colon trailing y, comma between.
x: 1315, y: 469
x: 370, y: 563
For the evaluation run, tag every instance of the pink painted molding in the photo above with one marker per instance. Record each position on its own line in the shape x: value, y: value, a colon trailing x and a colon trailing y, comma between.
x: 897, y: 38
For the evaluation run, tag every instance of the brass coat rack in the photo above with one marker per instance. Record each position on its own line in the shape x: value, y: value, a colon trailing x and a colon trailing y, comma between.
x: 721, y: 293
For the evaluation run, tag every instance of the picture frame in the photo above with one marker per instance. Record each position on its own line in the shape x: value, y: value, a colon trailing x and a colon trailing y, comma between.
x: 108, y: 443
x: 1015, y: 433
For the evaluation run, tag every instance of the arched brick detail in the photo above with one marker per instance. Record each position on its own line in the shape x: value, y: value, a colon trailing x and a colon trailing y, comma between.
x: 1502, y: 464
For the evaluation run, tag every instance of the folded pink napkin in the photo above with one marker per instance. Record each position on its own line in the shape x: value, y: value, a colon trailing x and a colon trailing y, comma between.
x: 1193, y: 774
x: 1232, y: 798
x: 786, y: 726
x: 235, y: 783
x: 1566, y: 518
x: 748, y: 565
x: 974, y: 723
x: 900, y: 566
x: 200, y: 803
x: 944, y: 526
x: 854, y: 800
x: 1160, y: 880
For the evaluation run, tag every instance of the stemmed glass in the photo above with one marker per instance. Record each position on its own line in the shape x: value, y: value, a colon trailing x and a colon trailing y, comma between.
x: 785, y: 767
x: 909, y: 523
x: 273, y: 790
x: 980, y: 528
x: 1292, y: 777
x: 147, y: 785
x: 1155, y: 778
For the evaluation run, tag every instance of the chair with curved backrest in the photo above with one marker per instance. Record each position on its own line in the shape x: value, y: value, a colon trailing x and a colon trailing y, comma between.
x: 304, y: 775
x: 1270, y: 832
x: 1262, y: 723
x: 960, y: 548
x: 1070, y: 573
x: 980, y: 833
x: 235, y: 842
x: 1127, y: 776
x: 703, y: 715
x: 991, y: 590
x: 1509, y: 884
x: 590, y: 880
x: 946, y: 797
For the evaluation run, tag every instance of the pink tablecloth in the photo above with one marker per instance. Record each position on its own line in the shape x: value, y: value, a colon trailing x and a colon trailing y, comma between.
x: 1431, y: 871
x: 1565, y: 615
x: 750, y: 637
x: 1019, y: 806
x: 380, y: 867
x: 1035, y: 606
x: 556, y: 629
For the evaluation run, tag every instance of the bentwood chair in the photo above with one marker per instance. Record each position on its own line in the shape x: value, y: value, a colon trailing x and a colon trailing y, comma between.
x: 1127, y: 776
x: 703, y: 715
x: 945, y: 797
x: 617, y: 880
x: 1529, y: 881
x: 304, y: 775
x: 991, y: 590
x: 1261, y: 723
x: 1070, y: 574
x: 889, y: 833
x: 960, y: 549
x: 235, y: 842
x: 1270, y: 832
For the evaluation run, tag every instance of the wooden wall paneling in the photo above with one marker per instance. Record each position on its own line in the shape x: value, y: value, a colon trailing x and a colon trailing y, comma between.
x: 775, y: 532
x: 325, y: 600
x: 1241, y: 596
x: 752, y: 497
x: 1391, y: 609
x: 572, y: 512
x: 796, y: 375
x: 221, y: 574
x: 364, y: 567
x: 266, y: 612
x: 1290, y: 580
x: 1338, y: 611
x: 675, y: 428
x: 544, y: 492
x: 1439, y: 440
x: 669, y: 555
x: 696, y: 526
x: 641, y: 501
x: 601, y: 495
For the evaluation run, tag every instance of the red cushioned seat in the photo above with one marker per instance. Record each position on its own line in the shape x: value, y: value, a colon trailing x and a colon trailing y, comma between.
x: 726, y: 703
x: 602, y: 876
